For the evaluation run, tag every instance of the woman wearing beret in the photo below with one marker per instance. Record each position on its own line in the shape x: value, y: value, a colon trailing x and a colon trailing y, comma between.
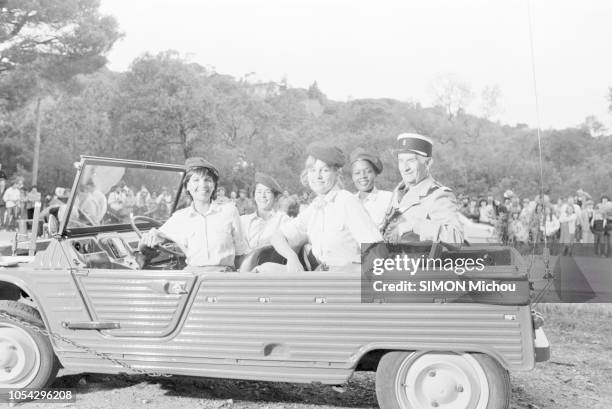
x: 258, y: 227
x: 208, y: 233
x: 335, y: 223
x: 364, y: 169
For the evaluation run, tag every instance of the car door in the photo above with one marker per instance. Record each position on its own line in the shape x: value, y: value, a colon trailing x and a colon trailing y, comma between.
x: 135, y: 303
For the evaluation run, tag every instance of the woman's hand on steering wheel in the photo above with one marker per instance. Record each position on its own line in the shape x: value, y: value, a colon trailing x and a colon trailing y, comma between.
x: 154, y: 238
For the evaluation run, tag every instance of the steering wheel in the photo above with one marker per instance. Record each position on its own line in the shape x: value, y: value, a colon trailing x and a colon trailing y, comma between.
x: 169, y: 246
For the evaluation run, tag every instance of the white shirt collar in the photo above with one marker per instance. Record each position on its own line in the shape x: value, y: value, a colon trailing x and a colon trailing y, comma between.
x: 213, y: 208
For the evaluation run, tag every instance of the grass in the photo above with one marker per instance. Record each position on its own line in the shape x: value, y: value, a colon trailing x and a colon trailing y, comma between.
x: 576, y: 309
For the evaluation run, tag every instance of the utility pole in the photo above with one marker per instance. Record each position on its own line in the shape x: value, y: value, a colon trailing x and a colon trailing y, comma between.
x: 36, y: 143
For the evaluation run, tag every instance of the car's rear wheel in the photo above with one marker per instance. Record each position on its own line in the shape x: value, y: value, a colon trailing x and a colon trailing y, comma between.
x: 27, y: 359
x: 442, y: 380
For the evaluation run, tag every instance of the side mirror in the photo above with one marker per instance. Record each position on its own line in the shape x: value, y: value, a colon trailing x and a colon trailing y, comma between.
x: 53, y: 225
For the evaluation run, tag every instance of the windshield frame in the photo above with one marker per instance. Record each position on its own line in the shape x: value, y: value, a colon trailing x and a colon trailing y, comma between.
x: 86, y: 160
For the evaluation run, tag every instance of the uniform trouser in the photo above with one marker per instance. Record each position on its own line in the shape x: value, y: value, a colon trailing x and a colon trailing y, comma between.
x: 2, y: 211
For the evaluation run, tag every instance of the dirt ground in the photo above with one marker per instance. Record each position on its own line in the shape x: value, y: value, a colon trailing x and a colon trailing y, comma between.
x: 578, y: 376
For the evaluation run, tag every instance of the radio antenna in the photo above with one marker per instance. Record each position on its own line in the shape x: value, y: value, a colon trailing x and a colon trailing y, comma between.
x: 545, y: 252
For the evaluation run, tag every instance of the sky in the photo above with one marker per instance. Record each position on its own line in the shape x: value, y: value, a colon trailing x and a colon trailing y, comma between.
x: 393, y: 48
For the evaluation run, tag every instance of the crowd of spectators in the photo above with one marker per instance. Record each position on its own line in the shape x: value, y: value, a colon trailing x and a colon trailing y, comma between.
x: 567, y: 221
x: 577, y: 218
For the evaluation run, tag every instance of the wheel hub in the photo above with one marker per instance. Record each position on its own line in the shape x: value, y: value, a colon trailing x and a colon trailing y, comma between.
x: 442, y: 387
x: 19, y: 357
x: 443, y: 381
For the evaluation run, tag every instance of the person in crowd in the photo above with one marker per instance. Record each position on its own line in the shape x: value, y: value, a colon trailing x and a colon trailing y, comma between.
x: 568, y: 223
x: 3, y: 180
x: 142, y: 197
x: 598, y: 228
x: 244, y: 204
x: 129, y: 200
x: 365, y: 167
x: 515, y: 205
x: 3, y: 176
x: 518, y: 232
x: 23, y: 197
x: 12, y: 200
x: 335, y: 223
x: 526, y: 210
x: 151, y: 205
x: 222, y: 199
x: 90, y: 205
x: 32, y: 197
x: 569, y: 202
x: 259, y: 226
x: 116, y: 200
x: 208, y: 233
x: 164, y: 203
x: 582, y: 197
x: 485, y: 212
x: 550, y: 225
x: 584, y: 220
x: 491, y: 207
x: 464, y: 202
x: 472, y: 210
x: 536, y: 220
x: 606, y: 209
x: 421, y: 208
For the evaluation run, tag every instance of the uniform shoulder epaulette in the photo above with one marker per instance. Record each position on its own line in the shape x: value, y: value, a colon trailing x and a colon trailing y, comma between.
x: 437, y: 185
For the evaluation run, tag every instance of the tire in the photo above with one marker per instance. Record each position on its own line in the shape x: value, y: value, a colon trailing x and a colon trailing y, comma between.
x: 443, y: 380
x: 27, y: 359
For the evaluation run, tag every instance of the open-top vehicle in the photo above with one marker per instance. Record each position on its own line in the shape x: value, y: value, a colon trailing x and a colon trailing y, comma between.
x: 92, y: 302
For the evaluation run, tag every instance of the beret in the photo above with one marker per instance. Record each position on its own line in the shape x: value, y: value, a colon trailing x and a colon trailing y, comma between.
x: 412, y: 142
x: 198, y: 162
x: 268, y: 181
x: 331, y: 155
x: 361, y: 154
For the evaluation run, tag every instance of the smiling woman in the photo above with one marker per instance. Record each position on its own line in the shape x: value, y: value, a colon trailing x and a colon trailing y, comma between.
x: 335, y: 223
x: 208, y: 233
x: 365, y: 167
x: 259, y: 226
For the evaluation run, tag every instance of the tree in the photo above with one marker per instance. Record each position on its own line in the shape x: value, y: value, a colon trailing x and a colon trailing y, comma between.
x: 452, y: 94
x: 44, y: 44
x: 592, y: 125
x: 315, y: 93
x: 166, y: 108
x: 489, y: 101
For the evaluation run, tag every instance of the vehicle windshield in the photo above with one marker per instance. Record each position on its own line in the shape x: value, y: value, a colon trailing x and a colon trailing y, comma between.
x: 111, y: 193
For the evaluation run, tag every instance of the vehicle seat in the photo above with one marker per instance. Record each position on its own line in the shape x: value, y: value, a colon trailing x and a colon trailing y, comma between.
x: 259, y: 256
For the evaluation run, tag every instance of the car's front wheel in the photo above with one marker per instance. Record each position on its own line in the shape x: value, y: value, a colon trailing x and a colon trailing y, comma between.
x: 27, y: 359
x: 442, y: 380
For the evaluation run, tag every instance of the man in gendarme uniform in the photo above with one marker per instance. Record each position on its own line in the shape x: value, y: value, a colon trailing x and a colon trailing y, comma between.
x: 421, y: 208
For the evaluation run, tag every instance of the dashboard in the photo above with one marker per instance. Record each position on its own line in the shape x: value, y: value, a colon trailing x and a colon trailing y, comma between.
x: 118, y: 251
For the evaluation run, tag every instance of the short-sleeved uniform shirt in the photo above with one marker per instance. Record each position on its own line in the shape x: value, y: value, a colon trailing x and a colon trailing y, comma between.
x: 376, y: 203
x: 211, y: 239
x: 257, y: 231
x: 335, y: 224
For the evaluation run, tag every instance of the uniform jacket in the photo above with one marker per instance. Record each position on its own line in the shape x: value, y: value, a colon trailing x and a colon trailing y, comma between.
x: 428, y: 210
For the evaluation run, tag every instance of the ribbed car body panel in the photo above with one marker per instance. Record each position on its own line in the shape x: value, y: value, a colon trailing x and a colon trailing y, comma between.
x: 278, y: 327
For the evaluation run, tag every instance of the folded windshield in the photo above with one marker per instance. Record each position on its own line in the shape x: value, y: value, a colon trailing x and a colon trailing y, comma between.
x: 110, y: 194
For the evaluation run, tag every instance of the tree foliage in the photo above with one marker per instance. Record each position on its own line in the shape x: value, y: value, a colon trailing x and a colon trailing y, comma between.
x: 165, y: 109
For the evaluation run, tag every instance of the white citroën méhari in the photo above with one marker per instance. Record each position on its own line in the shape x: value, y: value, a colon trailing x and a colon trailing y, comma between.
x: 91, y: 302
